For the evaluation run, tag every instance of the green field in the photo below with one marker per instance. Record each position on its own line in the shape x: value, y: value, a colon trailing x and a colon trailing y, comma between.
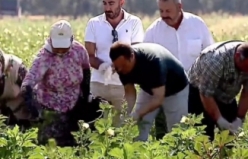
x: 24, y: 38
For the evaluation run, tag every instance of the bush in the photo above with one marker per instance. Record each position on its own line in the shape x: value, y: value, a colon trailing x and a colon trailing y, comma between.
x: 185, y: 141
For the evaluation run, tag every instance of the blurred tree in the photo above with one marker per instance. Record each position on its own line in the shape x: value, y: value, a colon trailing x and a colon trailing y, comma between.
x: 77, y: 8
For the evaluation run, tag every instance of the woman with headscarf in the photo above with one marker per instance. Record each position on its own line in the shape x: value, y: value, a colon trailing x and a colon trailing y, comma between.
x: 58, y: 81
x: 12, y: 73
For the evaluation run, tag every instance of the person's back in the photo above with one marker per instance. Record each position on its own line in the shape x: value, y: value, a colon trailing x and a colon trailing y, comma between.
x: 149, y: 53
x: 161, y: 77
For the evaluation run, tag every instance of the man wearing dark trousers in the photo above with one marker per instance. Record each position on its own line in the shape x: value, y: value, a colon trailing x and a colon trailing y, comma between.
x: 216, y: 78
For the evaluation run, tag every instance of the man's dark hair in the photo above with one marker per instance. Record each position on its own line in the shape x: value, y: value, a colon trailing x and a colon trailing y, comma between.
x: 243, y: 50
x: 120, y: 49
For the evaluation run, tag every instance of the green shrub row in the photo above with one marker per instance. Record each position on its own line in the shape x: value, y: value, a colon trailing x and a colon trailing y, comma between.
x: 185, y: 141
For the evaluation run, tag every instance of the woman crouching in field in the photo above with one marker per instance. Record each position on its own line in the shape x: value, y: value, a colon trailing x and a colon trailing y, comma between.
x: 12, y: 105
x: 59, y: 82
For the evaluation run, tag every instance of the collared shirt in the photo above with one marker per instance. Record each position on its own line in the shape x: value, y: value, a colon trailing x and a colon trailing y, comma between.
x: 215, y: 74
x: 58, y: 78
x: 186, y: 42
x: 99, y: 31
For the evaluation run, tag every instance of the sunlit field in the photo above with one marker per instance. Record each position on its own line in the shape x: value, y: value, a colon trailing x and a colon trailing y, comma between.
x: 23, y: 37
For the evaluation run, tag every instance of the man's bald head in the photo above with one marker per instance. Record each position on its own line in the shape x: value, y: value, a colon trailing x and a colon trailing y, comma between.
x: 241, y: 57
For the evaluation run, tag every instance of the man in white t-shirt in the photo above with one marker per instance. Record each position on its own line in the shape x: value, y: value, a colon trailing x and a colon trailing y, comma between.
x: 101, y: 31
x: 184, y: 34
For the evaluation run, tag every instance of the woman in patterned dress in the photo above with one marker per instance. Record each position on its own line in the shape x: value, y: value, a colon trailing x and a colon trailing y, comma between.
x: 58, y: 81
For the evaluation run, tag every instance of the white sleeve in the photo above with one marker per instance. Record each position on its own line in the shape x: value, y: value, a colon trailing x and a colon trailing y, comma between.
x: 207, y: 36
x: 138, y: 32
x: 148, y: 38
x: 90, y: 32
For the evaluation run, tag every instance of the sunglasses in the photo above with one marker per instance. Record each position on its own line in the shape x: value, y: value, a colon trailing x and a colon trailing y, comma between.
x: 115, y: 35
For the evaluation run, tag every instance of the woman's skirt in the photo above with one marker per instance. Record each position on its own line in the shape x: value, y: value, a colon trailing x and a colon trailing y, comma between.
x: 59, y: 126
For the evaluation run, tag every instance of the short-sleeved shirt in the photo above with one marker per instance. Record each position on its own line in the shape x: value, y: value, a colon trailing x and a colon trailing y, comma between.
x: 155, y: 66
x: 99, y: 31
x: 58, y: 78
x: 214, y: 72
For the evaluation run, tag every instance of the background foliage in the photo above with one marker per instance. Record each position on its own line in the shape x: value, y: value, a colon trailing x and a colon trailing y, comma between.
x: 148, y: 7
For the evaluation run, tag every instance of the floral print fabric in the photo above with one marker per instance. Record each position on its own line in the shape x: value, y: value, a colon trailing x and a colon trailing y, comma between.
x: 57, y: 78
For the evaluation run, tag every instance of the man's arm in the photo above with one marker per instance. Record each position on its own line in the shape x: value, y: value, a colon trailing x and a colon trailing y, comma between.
x: 95, y: 62
x: 130, y: 96
x: 207, y: 35
x: 148, y: 37
x: 210, y: 106
x: 90, y: 45
x: 138, y: 32
x: 157, y: 84
x: 212, y: 70
x: 243, y: 102
x: 155, y: 102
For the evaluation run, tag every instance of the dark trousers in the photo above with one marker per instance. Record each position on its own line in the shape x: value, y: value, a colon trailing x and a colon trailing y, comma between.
x: 60, y: 125
x: 228, y: 111
x: 160, y: 125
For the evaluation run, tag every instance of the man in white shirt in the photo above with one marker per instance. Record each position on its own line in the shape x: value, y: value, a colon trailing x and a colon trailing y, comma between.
x: 101, y: 31
x: 184, y: 34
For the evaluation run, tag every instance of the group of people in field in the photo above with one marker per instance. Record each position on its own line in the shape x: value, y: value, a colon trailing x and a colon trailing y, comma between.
x: 175, y: 61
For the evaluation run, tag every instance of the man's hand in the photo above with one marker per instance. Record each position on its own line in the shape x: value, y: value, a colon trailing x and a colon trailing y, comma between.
x: 95, y: 62
x: 224, y: 124
x: 135, y: 116
x: 156, y: 101
x: 236, y: 124
x: 104, y: 66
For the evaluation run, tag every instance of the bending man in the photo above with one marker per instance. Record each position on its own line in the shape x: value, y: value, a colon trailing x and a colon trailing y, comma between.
x: 161, y: 77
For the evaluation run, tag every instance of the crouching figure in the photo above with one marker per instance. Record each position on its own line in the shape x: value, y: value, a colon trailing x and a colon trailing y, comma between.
x: 12, y: 105
x: 58, y: 83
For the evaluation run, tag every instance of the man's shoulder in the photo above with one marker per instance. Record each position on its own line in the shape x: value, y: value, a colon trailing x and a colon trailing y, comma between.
x: 96, y: 19
x: 133, y: 17
x: 150, y: 46
x: 213, y: 55
x: 152, y: 51
x: 222, y: 46
x: 193, y: 18
x: 133, y: 20
x: 155, y: 24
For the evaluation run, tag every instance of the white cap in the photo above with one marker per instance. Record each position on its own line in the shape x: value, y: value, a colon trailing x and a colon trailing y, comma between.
x: 61, y: 34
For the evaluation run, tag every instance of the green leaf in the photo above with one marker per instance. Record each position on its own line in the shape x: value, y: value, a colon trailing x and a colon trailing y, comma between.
x: 28, y: 143
x: 3, y: 142
x: 128, y: 151
x: 117, y: 152
x: 100, y: 126
x: 198, y: 147
x: 98, y: 146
